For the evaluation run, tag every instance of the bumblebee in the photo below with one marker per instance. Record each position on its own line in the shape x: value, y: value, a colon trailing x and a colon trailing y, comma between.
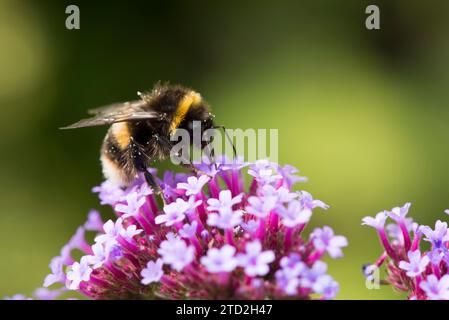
x: 140, y: 130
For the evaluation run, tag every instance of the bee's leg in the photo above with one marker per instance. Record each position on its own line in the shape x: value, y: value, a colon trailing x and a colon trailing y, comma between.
x: 195, y: 170
x: 149, y: 178
x: 211, y: 154
x: 234, y: 150
x: 139, y: 158
x: 168, y: 144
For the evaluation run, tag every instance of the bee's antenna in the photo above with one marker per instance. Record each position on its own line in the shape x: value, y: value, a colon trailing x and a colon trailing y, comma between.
x: 234, y: 150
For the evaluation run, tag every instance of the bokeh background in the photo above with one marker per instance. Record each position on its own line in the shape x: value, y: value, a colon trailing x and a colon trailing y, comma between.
x: 364, y: 114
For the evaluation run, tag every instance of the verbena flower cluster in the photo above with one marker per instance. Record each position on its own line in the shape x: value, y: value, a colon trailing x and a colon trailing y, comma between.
x: 421, y: 273
x: 212, y: 239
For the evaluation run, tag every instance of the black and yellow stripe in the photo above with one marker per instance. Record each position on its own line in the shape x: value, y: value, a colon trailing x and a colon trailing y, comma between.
x: 190, y: 100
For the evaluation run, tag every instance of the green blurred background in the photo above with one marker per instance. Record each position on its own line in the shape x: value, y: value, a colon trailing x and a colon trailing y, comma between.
x: 364, y: 114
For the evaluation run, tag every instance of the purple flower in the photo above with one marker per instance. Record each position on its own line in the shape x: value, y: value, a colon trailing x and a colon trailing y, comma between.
x: 326, y: 286
x: 78, y: 240
x: 46, y: 294
x: 225, y: 200
x: 395, y: 232
x: 287, y: 282
x: 261, y: 207
x: 133, y: 204
x: 153, y: 272
x: 417, y: 264
x: 111, y: 231
x: 264, y: 171
x: 310, y: 275
x: 188, y: 230
x: 435, y: 256
x: 377, y: 222
x: 141, y: 188
x: 438, y: 236
x: 288, y: 172
x: 174, y: 213
x: 57, y: 274
x: 436, y: 289
x: 255, y: 261
x: 288, y: 277
x: 79, y: 272
x: 208, y: 167
x: 446, y: 211
x: 250, y: 226
x: 193, y: 185
x: 130, y: 232
x: 220, y: 260
x: 226, y: 218
x: 308, y: 203
x: 293, y: 264
x: 368, y: 271
x: 201, y: 244
x: 109, y: 193
x: 324, y: 239
x: 18, y: 297
x: 398, y: 213
x: 176, y: 253
x: 94, y: 221
x: 294, y: 214
x: 419, y: 273
x: 232, y: 164
x: 99, y: 256
x: 282, y: 194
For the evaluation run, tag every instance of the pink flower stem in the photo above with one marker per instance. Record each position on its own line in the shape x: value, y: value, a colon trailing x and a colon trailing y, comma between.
x: 144, y: 224
x: 194, y: 216
x: 224, y: 278
x: 288, y: 239
x: 260, y: 233
x: 235, y: 183
x: 384, y: 240
x: 196, y: 244
x: 202, y: 209
x: 147, y: 212
x: 193, y: 272
x: 230, y: 236
x: 406, y: 236
x: 84, y: 289
x: 132, y: 259
x: 381, y: 259
x: 274, y: 221
x: 115, y: 271
x: 253, y: 187
x: 315, y: 256
x: 213, y: 187
x: 418, y: 280
x: 279, y: 183
x: 86, y: 248
x: 416, y: 240
x: 166, y: 280
x: 436, y: 270
x: 99, y: 282
x: 127, y: 245
x: 301, y: 228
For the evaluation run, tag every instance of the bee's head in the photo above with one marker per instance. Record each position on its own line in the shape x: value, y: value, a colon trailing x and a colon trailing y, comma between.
x: 208, y: 121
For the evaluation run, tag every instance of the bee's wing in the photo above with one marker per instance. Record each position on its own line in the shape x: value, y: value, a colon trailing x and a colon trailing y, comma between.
x: 120, y: 112
x: 118, y: 107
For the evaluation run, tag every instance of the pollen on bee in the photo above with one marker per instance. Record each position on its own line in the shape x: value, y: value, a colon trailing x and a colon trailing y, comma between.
x: 121, y: 133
